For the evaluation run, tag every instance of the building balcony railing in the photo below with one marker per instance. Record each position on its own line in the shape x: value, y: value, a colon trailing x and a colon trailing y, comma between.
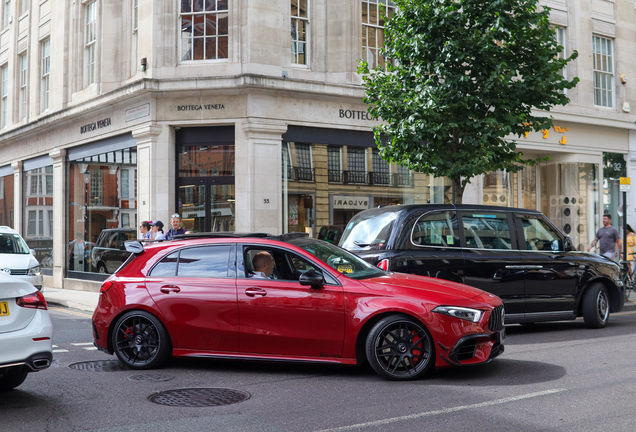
x: 370, y: 178
x: 300, y: 174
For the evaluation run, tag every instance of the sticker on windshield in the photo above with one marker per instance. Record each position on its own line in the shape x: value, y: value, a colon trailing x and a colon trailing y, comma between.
x: 485, y: 216
x: 450, y: 240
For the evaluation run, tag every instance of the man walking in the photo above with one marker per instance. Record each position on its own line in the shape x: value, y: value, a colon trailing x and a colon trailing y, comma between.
x: 609, y: 238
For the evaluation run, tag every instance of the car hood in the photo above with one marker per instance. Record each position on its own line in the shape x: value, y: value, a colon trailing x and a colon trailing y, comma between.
x: 17, y: 261
x: 437, y: 290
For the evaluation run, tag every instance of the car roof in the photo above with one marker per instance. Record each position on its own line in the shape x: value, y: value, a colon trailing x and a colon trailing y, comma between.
x: 6, y: 229
x: 412, y: 208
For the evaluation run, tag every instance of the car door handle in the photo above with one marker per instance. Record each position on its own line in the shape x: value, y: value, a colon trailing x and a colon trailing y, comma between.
x: 524, y: 267
x: 251, y: 292
x: 168, y: 289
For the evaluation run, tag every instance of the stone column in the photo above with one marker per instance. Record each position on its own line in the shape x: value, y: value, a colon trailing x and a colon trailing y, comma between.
x: 60, y: 216
x: 630, y: 160
x: 18, y: 196
x: 258, y: 176
x: 155, y: 173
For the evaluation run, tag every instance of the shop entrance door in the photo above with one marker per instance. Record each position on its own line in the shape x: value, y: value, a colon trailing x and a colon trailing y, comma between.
x: 206, y: 204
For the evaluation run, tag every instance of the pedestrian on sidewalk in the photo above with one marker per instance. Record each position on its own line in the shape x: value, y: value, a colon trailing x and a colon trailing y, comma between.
x: 608, y: 238
x: 176, y: 229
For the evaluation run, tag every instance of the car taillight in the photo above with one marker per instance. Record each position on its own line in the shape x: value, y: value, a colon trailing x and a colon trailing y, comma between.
x: 32, y: 301
x: 384, y: 264
x: 105, y: 287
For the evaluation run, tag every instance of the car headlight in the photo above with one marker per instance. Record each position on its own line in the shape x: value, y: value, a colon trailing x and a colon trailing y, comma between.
x: 467, y: 314
x: 34, y: 271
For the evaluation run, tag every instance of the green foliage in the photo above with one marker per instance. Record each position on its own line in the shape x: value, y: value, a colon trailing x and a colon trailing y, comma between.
x: 465, y: 74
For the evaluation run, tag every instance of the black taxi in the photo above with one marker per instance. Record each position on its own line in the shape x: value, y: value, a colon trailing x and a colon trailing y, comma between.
x: 517, y: 254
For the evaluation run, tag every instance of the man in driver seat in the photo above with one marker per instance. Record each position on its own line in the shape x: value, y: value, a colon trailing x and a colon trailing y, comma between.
x: 263, y: 265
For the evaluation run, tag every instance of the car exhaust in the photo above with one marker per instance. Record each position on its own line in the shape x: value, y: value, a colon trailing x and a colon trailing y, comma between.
x: 41, y: 363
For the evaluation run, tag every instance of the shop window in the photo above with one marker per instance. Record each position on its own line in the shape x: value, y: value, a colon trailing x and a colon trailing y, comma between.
x: 299, y: 31
x: 38, y: 213
x: 96, y: 187
x: 204, y: 29
x: 603, y: 71
x: 374, y: 16
x: 6, y: 200
x: 499, y: 189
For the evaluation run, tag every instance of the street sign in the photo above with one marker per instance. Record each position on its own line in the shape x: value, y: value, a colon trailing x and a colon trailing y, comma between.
x: 624, y: 184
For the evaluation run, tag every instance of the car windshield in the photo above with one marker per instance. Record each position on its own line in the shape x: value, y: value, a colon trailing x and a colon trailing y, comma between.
x: 12, y: 244
x: 338, y: 259
x: 368, y: 231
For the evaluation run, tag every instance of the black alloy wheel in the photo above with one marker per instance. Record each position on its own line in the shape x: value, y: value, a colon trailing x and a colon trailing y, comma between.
x: 596, y: 306
x: 140, y: 340
x: 400, y: 348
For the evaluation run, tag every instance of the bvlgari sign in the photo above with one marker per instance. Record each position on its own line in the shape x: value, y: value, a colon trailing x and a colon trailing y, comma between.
x: 343, y: 202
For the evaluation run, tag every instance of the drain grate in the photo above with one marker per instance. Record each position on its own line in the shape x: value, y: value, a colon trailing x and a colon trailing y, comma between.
x: 199, y: 397
x: 150, y: 377
x: 99, y: 366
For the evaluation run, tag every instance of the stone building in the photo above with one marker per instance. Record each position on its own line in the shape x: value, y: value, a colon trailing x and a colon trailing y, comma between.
x: 112, y: 113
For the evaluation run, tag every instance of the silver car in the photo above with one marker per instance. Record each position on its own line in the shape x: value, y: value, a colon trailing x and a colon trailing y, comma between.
x: 16, y: 259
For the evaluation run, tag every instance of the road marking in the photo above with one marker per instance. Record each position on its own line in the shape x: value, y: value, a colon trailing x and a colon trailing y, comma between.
x: 60, y: 350
x: 443, y: 411
x: 82, y: 343
x: 90, y: 349
x: 72, y: 312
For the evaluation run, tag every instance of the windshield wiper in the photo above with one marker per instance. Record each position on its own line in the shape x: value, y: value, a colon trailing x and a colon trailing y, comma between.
x: 357, y: 243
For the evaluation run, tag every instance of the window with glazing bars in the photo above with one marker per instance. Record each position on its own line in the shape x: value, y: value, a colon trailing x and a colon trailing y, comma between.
x: 560, y: 37
x: 45, y: 69
x: 204, y: 29
x: 4, y: 97
x: 90, y: 41
x: 22, y: 110
x: 303, y: 160
x: 356, y: 165
x: 381, y: 169
x: 299, y: 31
x: 603, y: 71
x: 334, y: 163
x: 374, y: 14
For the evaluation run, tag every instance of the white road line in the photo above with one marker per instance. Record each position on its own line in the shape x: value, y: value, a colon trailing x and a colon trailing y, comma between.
x: 60, y: 350
x: 443, y: 411
x: 81, y: 344
x: 90, y: 349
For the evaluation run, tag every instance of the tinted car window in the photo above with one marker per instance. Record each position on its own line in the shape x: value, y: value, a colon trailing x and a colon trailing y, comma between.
x: 539, y: 235
x: 12, y: 244
x: 208, y: 261
x: 436, y: 229
x: 368, y: 231
x: 167, y: 266
x: 487, y: 230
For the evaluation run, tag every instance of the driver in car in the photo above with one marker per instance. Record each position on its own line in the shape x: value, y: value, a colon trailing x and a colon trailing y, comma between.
x: 263, y: 265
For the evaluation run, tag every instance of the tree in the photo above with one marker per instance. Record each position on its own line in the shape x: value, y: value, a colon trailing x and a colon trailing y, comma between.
x: 465, y: 74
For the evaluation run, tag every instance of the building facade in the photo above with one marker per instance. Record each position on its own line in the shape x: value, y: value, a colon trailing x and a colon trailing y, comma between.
x: 112, y: 113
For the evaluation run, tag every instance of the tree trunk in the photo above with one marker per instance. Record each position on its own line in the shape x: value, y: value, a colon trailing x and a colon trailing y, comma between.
x: 458, y: 190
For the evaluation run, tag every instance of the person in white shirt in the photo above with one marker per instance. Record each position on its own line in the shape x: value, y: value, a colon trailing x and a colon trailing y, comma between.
x: 157, y: 231
x: 263, y: 265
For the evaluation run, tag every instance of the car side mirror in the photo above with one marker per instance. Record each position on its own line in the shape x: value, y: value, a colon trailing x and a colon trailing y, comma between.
x: 311, y: 278
x: 568, y: 246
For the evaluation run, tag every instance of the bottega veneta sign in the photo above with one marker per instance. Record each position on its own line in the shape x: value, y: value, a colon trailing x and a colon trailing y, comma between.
x: 99, y: 124
x: 355, y: 115
x: 200, y: 107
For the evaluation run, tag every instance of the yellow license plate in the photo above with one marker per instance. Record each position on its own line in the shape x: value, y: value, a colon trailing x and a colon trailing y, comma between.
x: 345, y: 269
x: 4, y: 308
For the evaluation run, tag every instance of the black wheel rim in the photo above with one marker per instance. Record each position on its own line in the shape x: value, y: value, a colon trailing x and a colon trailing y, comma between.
x: 602, y: 305
x: 137, y: 340
x: 403, y: 349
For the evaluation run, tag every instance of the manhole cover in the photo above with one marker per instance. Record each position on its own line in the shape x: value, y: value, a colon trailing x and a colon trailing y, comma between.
x: 150, y: 377
x: 99, y: 366
x: 199, y: 397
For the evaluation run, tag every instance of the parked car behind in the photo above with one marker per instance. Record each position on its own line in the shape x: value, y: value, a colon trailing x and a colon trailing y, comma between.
x: 25, y: 331
x: 109, y: 251
x: 16, y: 258
x: 517, y: 254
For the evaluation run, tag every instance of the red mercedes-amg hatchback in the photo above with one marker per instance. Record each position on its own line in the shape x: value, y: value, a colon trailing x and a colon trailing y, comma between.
x: 289, y: 298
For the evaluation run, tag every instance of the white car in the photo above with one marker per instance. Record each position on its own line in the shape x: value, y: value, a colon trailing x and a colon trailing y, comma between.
x: 17, y: 259
x: 25, y: 331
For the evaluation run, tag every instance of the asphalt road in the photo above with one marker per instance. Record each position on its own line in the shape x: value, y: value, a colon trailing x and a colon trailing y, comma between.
x: 552, y: 377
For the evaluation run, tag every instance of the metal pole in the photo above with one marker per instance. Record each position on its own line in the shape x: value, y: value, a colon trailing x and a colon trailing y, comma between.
x: 624, y: 226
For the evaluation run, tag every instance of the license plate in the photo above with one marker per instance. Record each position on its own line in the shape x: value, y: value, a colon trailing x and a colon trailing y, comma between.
x: 4, y: 308
x: 345, y: 268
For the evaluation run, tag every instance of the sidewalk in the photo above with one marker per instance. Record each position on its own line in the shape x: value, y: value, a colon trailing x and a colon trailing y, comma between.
x: 86, y: 300
x: 83, y: 300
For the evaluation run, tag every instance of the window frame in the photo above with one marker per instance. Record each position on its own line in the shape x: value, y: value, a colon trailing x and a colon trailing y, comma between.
x: 603, y: 90
x: 295, y: 41
x: 45, y: 72
x: 23, y: 79
x: 90, y: 45
x: 389, y: 9
x: 216, y: 12
x: 4, y: 96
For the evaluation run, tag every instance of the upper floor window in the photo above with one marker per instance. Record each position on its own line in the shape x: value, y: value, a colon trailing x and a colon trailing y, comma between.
x: 24, y: 6
x: 22, y: 112
x: 603, y: 71
x: 204, y: 29
x: 299, y: 31
x: 6, y: 13
x: 90, y: 40
x: 45, y: 69
x: 560, y: 37
x: 374, y: 15
x: 135, y: 37
x: 4, y: 97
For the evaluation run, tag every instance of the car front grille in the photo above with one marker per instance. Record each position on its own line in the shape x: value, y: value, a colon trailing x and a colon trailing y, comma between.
x: 496, y: 321
x: 19, y: 272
